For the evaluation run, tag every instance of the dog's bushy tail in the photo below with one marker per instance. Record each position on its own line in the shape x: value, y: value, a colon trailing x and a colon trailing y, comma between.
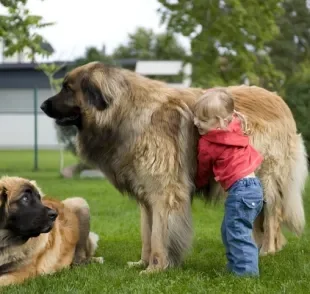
x: 180, y: 233
x: 92, y: 243
x: 293, y: 209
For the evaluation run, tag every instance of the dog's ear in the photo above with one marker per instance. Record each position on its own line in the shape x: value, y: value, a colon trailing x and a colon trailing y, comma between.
x: 93, y: 93
x: 3, y: 196
x: 3, y: 206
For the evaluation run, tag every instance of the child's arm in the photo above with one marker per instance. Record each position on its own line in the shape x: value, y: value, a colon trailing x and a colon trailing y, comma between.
x: 204, y: 168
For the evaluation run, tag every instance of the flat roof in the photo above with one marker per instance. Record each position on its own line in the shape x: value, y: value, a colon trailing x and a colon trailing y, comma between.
x: 30, y: 66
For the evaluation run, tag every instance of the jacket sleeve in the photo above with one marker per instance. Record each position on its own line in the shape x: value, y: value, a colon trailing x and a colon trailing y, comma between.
x: 204, y: 168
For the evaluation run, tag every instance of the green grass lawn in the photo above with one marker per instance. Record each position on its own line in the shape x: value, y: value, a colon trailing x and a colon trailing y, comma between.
x: 116, y: 219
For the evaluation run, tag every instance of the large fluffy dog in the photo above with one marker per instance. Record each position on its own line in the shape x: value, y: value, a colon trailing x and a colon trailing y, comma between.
x: 141, y: 135
x: 40, y: 237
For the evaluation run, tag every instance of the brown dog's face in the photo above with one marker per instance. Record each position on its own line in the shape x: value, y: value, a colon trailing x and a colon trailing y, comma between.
x: 79, y: 93
x: 22, y: 212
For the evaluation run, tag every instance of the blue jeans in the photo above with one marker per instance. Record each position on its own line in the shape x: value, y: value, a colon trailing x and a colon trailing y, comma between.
x: 242, y: 206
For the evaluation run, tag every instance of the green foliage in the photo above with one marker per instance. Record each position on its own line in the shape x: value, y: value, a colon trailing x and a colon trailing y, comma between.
x: 18, y: 30
x: 93, y: 54
x: 289, y: 52
x: 50, y: 69
x: 291, y: 47
x: 297, y: 93
x: 228, y: 38
x: 144, y: 44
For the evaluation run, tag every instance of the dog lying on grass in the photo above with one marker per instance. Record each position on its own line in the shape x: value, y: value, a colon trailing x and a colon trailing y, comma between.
x: 41, y: 235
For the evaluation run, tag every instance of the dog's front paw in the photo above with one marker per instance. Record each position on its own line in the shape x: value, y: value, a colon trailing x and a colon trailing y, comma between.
x: 140, y: 263
x: 150, y: 270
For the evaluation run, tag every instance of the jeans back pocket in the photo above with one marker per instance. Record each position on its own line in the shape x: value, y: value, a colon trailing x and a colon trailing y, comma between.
x: 251, y: 208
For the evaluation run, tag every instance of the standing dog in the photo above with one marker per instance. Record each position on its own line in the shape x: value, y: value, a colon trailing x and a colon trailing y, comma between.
x: 40, y: 236
x: 140, y: 133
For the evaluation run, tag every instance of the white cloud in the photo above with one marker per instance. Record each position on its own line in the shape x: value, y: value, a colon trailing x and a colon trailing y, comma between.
x: 93, y: 23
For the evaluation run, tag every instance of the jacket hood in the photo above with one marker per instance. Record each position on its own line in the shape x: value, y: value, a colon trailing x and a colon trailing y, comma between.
x: 233, y: 136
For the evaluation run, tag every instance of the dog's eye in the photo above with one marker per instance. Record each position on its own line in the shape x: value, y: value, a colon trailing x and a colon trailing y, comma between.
x: 66, y: 88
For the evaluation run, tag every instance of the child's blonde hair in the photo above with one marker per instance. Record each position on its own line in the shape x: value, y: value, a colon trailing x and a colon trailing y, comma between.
x: 217, y: 106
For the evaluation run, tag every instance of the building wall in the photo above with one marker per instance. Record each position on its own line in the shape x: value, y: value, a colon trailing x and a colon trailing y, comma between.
x: 17, y: 120
x: 17, y: 132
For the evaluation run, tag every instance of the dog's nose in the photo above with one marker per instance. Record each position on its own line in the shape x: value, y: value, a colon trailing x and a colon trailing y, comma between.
x: 52, y: 214
x: 44, y: 106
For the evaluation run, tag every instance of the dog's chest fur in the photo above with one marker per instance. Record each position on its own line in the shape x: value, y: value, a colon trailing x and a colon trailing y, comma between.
x: 112, y: 153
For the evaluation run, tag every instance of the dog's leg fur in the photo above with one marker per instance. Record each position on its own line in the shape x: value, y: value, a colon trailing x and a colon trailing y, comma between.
x: 171, y: 234
x: 258, y: 229
x: 158, y: 259
x: 272, y: 235
x: 283, y: 187
x: 171, y: 169
x: 146, y: 231
x: 180, y: 232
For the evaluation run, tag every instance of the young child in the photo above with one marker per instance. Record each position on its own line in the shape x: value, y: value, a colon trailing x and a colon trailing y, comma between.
x: 225, y: 149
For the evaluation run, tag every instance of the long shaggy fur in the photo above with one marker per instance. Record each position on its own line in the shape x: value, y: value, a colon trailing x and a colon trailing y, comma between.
x: 140, y: 133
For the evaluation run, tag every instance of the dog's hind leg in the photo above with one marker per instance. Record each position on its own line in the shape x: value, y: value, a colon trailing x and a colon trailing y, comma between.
x: 146, y: 231
x: 258, y: 229
x: 273, y: 239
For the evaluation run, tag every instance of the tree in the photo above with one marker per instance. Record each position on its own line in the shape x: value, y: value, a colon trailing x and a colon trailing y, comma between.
x: 17, y: 30
x: 144, y: 44
x: 94, y: 54
x: 292, y: 46
x: 297, y: 91
x: 228, y: 38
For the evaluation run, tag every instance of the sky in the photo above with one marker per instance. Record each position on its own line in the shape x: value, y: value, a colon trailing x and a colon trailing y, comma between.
x: 80, y: 24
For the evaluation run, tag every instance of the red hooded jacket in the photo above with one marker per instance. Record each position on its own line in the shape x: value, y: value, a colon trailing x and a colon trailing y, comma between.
x: 228, y: 153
